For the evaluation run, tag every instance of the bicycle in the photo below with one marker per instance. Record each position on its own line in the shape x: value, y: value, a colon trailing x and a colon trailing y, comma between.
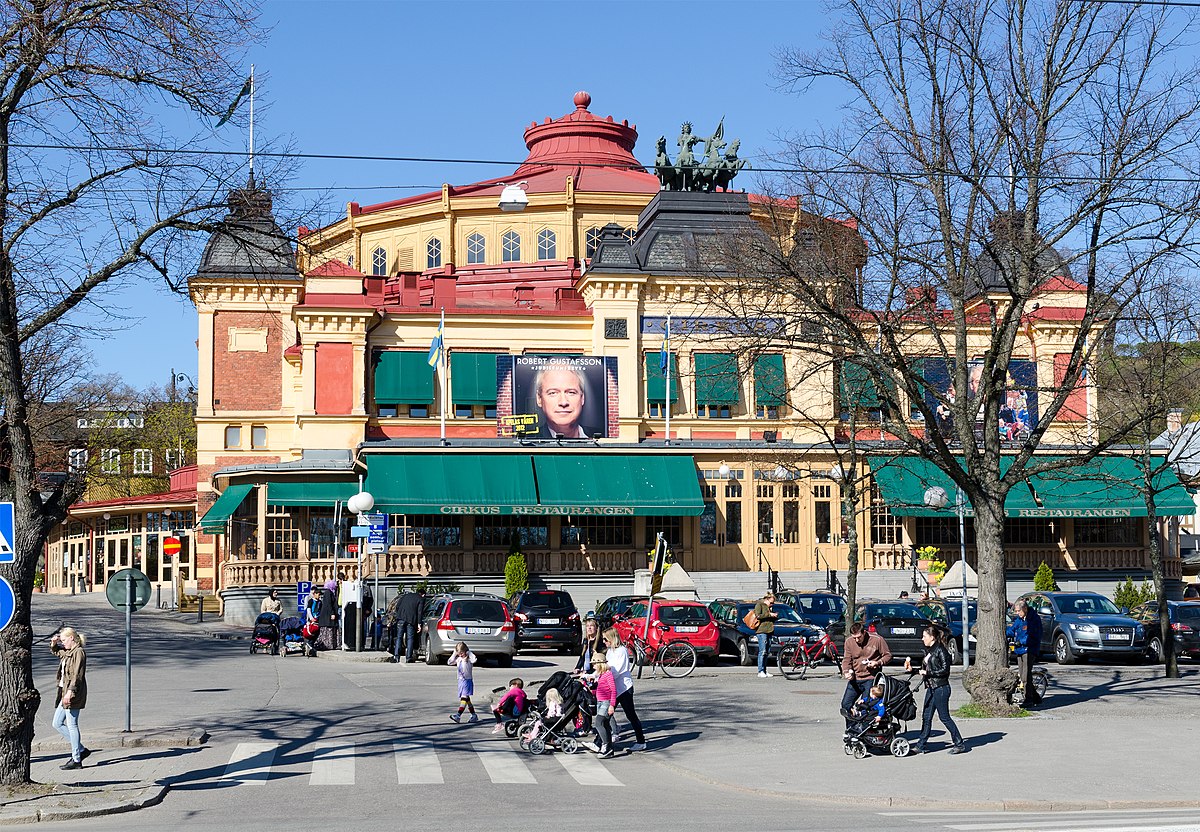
x: 676, y: 658
x: 794, y: 660
x: 1041, y: 681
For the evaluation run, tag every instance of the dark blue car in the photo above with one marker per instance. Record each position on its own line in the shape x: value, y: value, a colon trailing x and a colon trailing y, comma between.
x: 824, y: 609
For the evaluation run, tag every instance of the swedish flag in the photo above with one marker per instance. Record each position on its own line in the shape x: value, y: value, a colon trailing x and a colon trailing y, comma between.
x: 437, y: 346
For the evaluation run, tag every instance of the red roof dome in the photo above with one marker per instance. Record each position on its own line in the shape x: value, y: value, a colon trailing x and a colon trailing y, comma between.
x: 580, y: 138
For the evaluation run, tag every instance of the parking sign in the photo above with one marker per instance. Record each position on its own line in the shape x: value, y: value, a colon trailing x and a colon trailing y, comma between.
x: 7, y: 533
x: 302, y: 590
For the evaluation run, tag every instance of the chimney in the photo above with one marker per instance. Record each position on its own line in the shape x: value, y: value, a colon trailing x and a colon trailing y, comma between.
x: 1174, y: 421
x: 410, y: 291
x: 445, y: 287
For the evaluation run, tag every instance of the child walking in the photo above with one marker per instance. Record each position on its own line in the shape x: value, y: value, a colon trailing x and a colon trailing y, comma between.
x: 465, y: 660
x: 606, y: 703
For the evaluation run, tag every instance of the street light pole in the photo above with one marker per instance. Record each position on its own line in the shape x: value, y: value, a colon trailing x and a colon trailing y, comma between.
x: 937, y: 498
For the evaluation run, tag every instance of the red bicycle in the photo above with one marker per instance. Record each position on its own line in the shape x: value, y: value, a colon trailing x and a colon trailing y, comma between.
x: 795, y: 659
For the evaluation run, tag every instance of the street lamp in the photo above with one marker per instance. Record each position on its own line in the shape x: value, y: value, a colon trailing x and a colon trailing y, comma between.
x: 937, y: 498
x: 724, y: 470
x: 360, y: 504
x: 514, y: 198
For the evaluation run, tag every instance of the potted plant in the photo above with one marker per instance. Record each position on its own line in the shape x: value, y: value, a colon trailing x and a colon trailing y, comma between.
x: 39, y: 581
x: 926, y: 555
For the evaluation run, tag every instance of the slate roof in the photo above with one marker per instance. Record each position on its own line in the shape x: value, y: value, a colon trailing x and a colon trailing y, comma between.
x: 1183, y: 449
x: 249, y: 242
x: 992, y: 266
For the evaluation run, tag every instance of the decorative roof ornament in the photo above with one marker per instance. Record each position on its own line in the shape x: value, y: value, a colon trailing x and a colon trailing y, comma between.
x: 711, y: 171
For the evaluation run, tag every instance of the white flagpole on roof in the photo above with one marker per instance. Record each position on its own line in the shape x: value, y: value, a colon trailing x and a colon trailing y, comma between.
x: 667, y: 381
x: 252, y: 119
x: 442, y: 371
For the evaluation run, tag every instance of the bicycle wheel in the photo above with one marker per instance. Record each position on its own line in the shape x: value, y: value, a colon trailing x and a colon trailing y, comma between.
x: 678, y: 659
x: 1041, y: 681
x: 792, y: 661
x: 637, y: 654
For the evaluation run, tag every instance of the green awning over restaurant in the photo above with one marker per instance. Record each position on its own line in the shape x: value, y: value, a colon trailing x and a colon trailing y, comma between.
x: 770, y: 385
x: 298, y: 493
x: 403, y: 377
x: 641, y: 484
x: 1107, y: 486
x: 451, y: 483
x: 473, y: 378
x: 213, y: 521
x: 716, y: 378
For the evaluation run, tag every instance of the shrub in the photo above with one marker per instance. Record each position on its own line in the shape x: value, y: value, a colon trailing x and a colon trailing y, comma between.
x: 1044, y: 581
x: 1129, y: 594
x: 516, y: 574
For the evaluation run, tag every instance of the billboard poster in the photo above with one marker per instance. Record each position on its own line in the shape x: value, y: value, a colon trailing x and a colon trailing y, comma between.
x: 1018, y: 404
x: 556, y: 396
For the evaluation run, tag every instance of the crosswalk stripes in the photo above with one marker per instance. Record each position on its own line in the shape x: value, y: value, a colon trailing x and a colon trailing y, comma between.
x: 251, y: 763
x: 502, y: 765
x: 1091, y: 820
x: 417, y: 765
x: 333, y: 764
x: 587, y: 770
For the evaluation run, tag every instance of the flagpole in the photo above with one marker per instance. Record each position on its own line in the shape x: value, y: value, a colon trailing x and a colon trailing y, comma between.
x: 251, y: 119
x: 442, y: 374
x: 668, y: 388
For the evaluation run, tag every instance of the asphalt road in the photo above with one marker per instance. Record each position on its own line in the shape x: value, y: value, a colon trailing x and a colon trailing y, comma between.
x: 327, y: 744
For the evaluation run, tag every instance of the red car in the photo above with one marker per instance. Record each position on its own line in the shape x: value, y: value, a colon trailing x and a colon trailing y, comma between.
x: 688, y: 621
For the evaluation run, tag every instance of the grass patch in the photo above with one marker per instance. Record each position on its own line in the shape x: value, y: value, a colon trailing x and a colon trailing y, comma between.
x: 974, y: 711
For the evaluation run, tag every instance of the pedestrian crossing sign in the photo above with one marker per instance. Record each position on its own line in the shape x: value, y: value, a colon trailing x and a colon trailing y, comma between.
x: 7, y: 533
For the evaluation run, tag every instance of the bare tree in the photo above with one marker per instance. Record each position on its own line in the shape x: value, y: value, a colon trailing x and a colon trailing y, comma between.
x: 87, y: 199
x: 989, y: 147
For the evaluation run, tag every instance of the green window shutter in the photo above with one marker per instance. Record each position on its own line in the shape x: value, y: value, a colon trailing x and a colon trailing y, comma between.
x: 403, y: 377
x: 857, y: 388
x: 656, y: 383
x: 473, y: 378
x: 716, y: 378
x: 918, y: 368
x: 770, y: 385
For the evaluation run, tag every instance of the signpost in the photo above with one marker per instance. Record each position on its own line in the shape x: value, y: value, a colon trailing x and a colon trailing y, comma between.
x: 303, y: 588
x: 128, y: 589
x: 171, y: 546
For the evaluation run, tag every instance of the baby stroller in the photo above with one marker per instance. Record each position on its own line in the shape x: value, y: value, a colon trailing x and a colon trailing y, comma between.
x: 293, y: 639
x: 899, y: 706
x: 266, y: 634
x: 538, y: 730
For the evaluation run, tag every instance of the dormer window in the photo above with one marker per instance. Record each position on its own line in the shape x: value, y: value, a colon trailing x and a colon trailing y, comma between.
x: 476, y: 249
x: 433, y: 253
x: 379, y: 261
x: 511, y: 247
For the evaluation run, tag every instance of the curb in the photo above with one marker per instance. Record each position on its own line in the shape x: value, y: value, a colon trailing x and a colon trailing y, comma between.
x: 906, y: 802
x: 153, y: 738
x: 131, y: 799
x: 351, y: 657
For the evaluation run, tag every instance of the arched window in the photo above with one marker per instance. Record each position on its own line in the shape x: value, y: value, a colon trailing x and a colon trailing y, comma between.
x: 379, y: 262
x: 592, y: 237
x: 476, y: 249
x: 546, y: 245
x: 511, y: 246
x: 630, y: 235
x: 433, y: 253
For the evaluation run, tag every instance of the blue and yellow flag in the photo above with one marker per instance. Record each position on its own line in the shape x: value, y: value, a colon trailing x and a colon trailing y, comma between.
x: 437, y: 346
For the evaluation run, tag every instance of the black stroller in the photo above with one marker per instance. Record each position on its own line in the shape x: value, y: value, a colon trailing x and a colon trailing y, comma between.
x: 899, y: 706
x: 539, y: 731
x: 266, y: 634
x: 292, y: 638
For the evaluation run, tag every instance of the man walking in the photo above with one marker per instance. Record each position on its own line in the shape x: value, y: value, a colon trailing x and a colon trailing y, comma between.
x: 408, y: 618
x: 1026, y: 633
x: 765, y: 613
x: 865, y: 654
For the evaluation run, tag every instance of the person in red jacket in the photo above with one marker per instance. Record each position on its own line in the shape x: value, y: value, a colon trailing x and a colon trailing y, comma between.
x: 511, y: 704
x: 606, y: 703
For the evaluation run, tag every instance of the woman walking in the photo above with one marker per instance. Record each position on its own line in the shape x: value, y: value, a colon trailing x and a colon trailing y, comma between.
x: 592, y: 644
x: 935, y: 670
x: 618, y: 663
x: 71, y: 692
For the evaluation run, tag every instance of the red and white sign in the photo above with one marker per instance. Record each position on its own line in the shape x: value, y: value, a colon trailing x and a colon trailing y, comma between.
x: 351, y: 548
x: 171, y: 546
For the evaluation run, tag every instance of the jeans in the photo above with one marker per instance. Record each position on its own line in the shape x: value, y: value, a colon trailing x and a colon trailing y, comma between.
x: 66, y: 722
x: 855, y: 688
x: 625, y: 700
x: 764, y: 647
x: 604, y: 725
x: 406, y: 636
x: 937, y: 699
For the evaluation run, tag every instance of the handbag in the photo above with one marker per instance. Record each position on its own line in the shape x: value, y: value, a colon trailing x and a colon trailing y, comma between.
x: 751, y: 620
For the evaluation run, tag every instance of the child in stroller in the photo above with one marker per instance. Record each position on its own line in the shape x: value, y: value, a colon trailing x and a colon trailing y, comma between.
x: 540, y: 729
x: 879, y: 714
x: 294, y: 639
x: 266, y: 633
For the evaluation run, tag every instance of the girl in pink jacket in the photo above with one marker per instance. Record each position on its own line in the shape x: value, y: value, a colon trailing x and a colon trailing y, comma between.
x: 606, y: 701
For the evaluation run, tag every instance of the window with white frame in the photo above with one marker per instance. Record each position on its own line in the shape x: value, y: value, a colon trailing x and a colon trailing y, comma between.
x: 476, y: 249
x: 173, y: 458
x: 110, y: 461
x: 379, y: 262
x: 143, y: 461
x: 77, y: 460
x: 233, y: 436
x: 433, y: 253
x: 630, y: 234
x: 592, y: 237
x: 258, y: 436
x: 511, y: 247
x: 547, y: 245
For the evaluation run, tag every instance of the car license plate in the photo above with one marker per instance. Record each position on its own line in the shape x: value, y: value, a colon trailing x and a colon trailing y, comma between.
x: 687, y: 629
x: 1116, y: 637
x: 904, y: 631
x: 549, y: 621
x: 479, y: 631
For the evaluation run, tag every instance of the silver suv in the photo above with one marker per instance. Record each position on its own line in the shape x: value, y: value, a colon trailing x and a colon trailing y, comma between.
x: 482, y: 621
x: 1076, y: 625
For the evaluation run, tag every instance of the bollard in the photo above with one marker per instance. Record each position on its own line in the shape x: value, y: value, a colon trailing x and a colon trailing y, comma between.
x: 200, y: 606
x: 158, y: 596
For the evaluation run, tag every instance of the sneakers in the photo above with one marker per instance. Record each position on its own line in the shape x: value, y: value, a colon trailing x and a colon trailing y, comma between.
x: 762, y: 674
x: 638, y: 746
x: 616, y: 736
x: 958, y: 749
x: 499, y: 729
x: 456, y: 717
x: 474, y: 718
x: 607, y: 754
x: 591, y: 746
x: 71, y: 765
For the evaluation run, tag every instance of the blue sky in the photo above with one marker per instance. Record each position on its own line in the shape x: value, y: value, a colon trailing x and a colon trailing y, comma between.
x: 463, y: 80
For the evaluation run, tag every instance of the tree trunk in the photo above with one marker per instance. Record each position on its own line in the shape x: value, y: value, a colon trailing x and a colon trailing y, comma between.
x: 1170, y: 659
x: 990, y: 681
x: 849, y: 509
x: 19, y: 698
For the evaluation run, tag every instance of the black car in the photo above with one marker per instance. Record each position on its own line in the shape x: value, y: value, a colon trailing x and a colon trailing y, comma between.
x: 546, y: 618
x: 824, y: 609
x: 611, y: 608
x: 739, y: 640
x: 1185, y: 623
x: 948, y: 613
x: 899, y: 622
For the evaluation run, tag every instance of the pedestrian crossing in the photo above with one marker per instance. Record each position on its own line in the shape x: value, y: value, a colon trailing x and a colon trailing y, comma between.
x: 416, y: 764
x: 1092, y: 820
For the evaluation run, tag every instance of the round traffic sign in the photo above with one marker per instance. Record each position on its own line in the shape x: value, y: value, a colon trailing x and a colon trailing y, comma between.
x: 8, y: 603
x: 171, y: 546
x: 117, y: 589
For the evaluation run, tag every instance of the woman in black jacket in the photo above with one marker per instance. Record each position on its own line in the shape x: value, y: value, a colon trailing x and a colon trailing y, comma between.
x: 591, y: 642
x: 935, y: 670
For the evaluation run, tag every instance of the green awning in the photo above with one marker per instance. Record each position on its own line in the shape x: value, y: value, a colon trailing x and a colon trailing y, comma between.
x: 618, y: 484
x: 858, y: 390
x: 770, y: 385
x: 298, y: 493
x: 656, y: 383
x: 716, y: 378
x: 473, y: 378
x: 1107, y: 486
x: 403, y: 377
x: 213, y: 521
x: 451, y: 483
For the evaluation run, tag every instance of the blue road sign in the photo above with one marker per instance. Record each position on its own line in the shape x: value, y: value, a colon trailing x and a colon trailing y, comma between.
x: 8, y: 533
x: 379, y: 528
x: 302, y: 590
x: 8, y: 603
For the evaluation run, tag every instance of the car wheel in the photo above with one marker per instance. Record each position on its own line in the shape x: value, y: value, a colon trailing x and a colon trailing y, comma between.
x: 430, y: 657
x: 1155, y: 650
x: 504, y: 660
x: 955, y: 651
x: 1062, y: 650
x: 743, y: 653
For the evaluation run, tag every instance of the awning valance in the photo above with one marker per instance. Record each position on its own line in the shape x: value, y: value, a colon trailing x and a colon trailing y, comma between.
x: 213, y: 521
x: 1108, y: 486
x: 299, y: 493
x: 641, y: 484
